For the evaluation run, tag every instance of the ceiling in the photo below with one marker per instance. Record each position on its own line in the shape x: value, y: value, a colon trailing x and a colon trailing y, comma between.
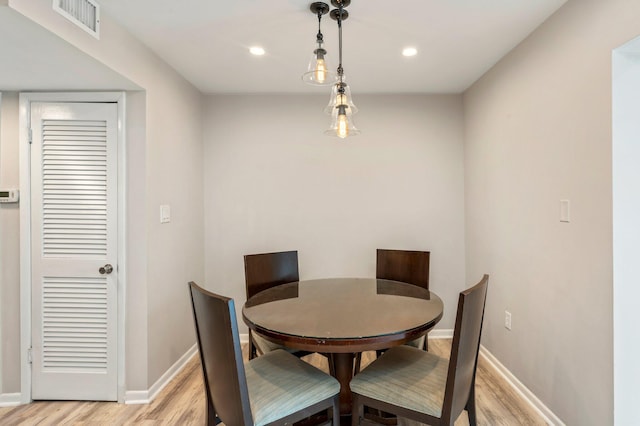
x: 34, y: 59
x: 457, y: 42
x: 207, y: 41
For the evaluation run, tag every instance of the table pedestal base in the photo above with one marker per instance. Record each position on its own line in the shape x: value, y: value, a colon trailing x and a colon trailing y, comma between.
x: 343, y: 367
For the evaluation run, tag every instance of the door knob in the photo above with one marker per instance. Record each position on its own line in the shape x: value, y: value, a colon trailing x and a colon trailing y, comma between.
x: 106, y: 269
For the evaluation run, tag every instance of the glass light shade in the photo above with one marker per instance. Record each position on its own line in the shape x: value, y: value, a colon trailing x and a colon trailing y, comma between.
x: 341, y: 124
x: 318, y: 72
x: 338, y: 99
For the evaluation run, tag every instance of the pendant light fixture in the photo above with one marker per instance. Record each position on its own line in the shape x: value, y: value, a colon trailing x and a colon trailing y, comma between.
x: 341, y: 106
x: 318, y: 72
x: 340, y: 95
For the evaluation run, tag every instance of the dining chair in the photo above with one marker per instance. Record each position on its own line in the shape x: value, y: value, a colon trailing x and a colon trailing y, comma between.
x: 274, y: 389
x: 407, y: 266
x: 261, y: 272
x: 421, y: 386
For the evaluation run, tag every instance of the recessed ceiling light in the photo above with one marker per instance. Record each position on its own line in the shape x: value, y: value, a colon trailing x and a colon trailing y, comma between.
x: 256, y: 50
x: 409, y: 51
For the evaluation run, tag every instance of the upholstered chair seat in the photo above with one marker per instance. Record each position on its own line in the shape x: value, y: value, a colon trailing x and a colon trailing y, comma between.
x: 280, y: 384
x: 407, y: 377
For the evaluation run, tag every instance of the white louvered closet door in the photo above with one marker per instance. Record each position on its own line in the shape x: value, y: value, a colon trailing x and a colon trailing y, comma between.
x: 74, y: 219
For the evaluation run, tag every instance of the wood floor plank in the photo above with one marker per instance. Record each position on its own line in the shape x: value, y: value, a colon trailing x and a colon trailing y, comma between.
x: 182, y: 401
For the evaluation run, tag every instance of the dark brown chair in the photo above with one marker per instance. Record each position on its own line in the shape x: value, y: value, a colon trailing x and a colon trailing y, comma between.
x: 266, y: 270
x: 261, y: 272
x: 407, y: 266
x: 403, y: 265
x: 274, y: 389
x: 420, y: 386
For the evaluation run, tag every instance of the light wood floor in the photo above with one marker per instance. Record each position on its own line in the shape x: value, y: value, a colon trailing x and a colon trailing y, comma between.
x: 182, y: 402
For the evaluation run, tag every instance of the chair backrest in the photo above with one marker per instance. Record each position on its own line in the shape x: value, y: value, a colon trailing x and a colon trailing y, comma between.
x: 403, y: 265
x: 464, y: 350
x: 266, y: 270
x: 221, y: 357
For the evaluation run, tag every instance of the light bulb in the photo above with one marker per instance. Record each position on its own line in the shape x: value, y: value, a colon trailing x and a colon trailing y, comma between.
x: 343, y: 125
x: 321, y: 70
x: 341, y: 99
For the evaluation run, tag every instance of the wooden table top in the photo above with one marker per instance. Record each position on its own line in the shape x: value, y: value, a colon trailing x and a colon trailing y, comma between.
x: 339, y: 315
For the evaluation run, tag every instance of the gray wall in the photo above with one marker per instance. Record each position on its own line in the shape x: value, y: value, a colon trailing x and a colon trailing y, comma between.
x: 535, y: 129
x: 164, y: 166
x: 9, y: 247
x: 538, y: 130
x: 274, y: 181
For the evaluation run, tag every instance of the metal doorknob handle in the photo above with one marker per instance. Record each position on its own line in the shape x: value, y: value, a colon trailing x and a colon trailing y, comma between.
x: 106, y: 269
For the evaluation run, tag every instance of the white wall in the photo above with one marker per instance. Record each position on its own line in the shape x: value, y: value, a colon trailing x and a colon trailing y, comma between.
x: 164, y: 149
x: 175, y: 250
x: 626, y: 230
x: 538, y: 130
x: 274, y: 181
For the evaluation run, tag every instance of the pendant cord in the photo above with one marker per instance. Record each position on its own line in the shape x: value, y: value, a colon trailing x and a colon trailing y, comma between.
x: 340, y: 69
x: 319, y: 37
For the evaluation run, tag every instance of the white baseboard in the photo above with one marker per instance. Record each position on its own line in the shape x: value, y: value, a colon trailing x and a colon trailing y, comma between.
x: 136, y: 397
x: 10, y: 399
x: 146, y: 396
x: 440, y: 334
x: 549, y: 417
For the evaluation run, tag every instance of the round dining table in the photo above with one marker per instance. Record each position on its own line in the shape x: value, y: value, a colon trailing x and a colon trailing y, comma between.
x: 341, y: 317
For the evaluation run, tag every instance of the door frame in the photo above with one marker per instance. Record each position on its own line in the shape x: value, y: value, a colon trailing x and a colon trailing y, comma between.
x: 25, y: 227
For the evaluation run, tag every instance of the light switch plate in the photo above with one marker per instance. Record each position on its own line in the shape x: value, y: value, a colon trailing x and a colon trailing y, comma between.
x: 165, y: 213
x: 564, y: 211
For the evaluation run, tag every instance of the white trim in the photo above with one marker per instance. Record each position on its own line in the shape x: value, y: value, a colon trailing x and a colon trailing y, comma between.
x: 136, y: 397
x: 25, y: 226
x: 1, y: 240
x: 122, y: 245
x: 440, y: 334
x: 145, y: 397
x: 549, y: 417
x: 10, y: 399
x: 25, y: 247
x: 244, y: 338
x: 1, y: 283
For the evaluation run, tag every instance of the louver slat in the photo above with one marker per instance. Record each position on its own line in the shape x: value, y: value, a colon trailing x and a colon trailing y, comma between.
x: 84, y: 13
x: 74, y: 324
x: 74, y: 209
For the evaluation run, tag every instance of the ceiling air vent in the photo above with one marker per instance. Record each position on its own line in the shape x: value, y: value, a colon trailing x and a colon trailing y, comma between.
x: 83, y: 13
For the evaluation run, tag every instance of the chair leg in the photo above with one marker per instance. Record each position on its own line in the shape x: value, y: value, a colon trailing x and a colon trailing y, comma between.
x: 357, y: 363
x: 332, y: 366
x: 471, y: 405
x: 357, y: 412
x: 253, y: 352
x: 212, y: 417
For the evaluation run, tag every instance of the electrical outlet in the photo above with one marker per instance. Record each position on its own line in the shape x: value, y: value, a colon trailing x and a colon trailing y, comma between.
x: 507, y: 320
